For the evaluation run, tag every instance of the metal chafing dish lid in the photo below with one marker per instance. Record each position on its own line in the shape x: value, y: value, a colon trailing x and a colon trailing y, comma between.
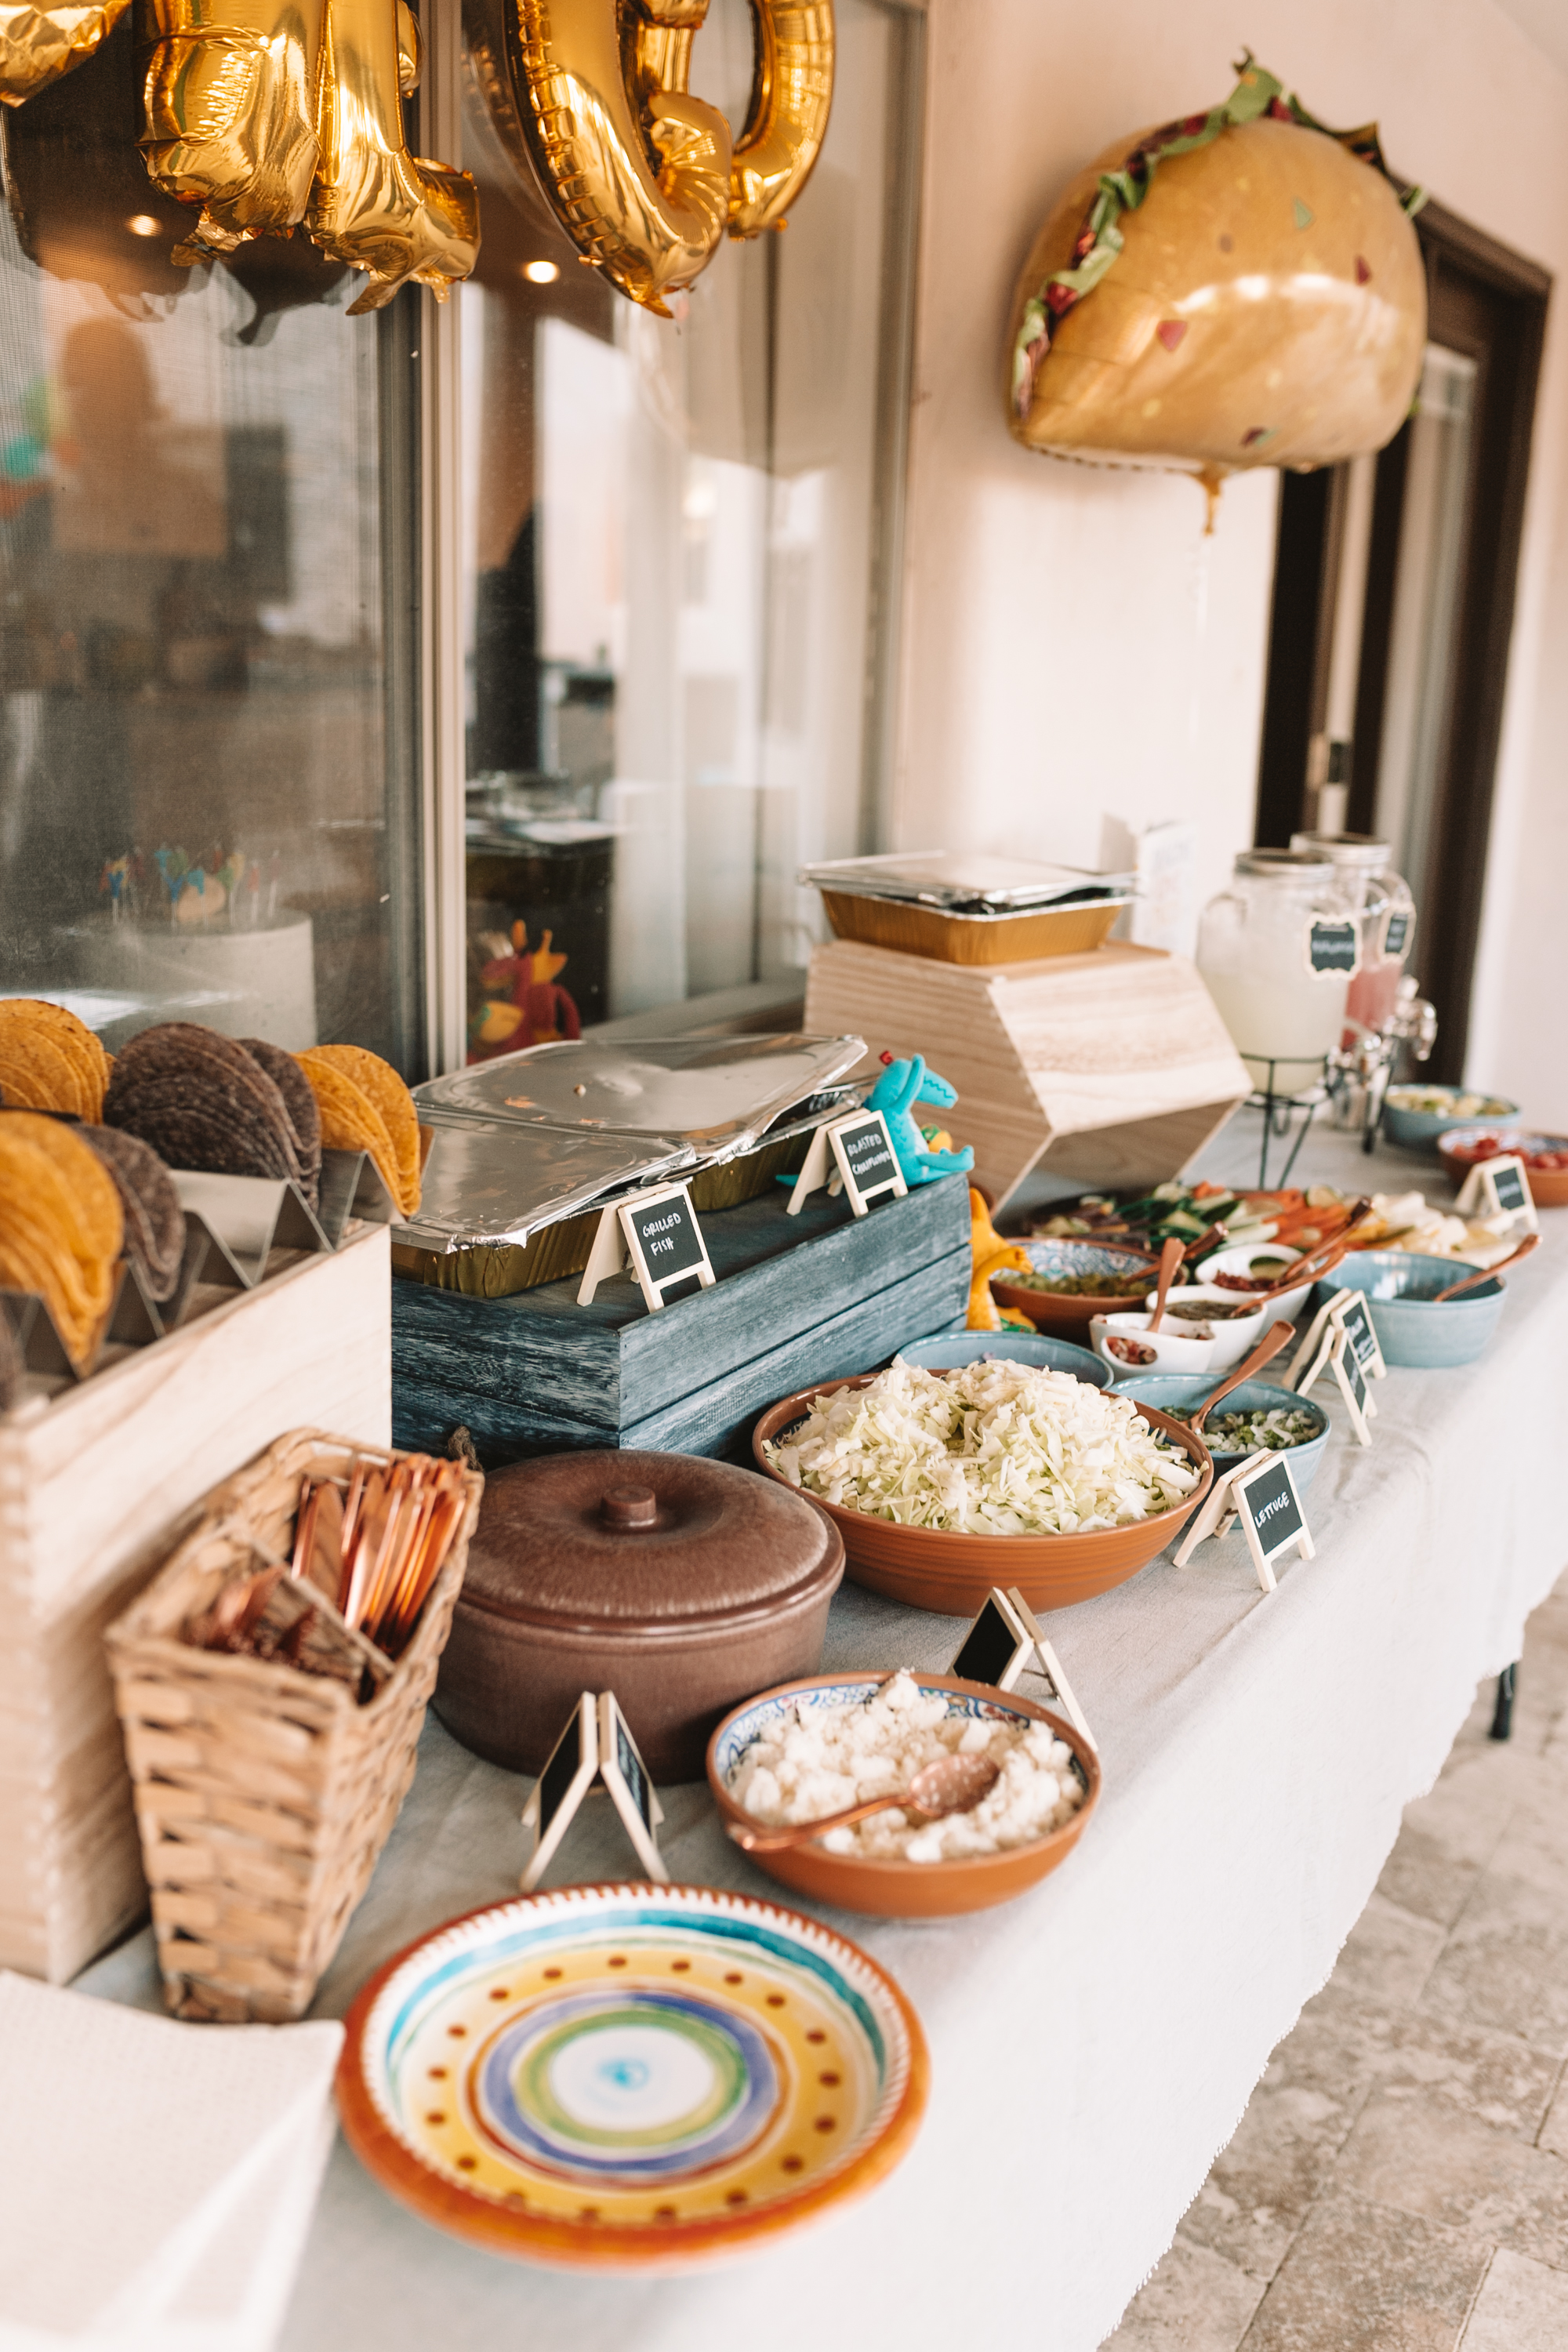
x: 968, y: 881
x: 486, y: 1181
x: 697, y: 1095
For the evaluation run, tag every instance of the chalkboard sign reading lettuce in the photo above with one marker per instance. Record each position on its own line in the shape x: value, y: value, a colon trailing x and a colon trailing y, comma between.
x: 1332, y: 946
x: 1270, y: 1512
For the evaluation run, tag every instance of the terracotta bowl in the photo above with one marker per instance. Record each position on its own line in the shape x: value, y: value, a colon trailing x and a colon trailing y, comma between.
x: 901, y: 1890
x: 930, y: 1568
x: 1457, y: 1151
x: 1070, y: 1315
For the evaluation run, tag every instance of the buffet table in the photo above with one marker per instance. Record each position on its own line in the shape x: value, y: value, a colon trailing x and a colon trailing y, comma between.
x: 1094, y: 2043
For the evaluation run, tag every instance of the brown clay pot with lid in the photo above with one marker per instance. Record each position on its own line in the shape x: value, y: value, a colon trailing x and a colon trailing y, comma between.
x: 681, y: 1584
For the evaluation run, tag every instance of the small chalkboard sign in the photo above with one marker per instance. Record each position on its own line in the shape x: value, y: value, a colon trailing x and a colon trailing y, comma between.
x: 1270, y: 1513
x: 1499, y: 1188
x: 659, y: 1232
x: 1349, y: 1309
x: 1397, y: 931
x: 1310, y: 1361
x: 1334, y: 946
x: 997, y: 1649
x: 596, y: 1745
x: 863, y: 1161
x: 1347, y: 1371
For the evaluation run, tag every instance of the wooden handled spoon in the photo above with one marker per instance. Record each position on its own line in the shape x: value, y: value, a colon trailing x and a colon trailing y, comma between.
x: 1485, y: 1273
x: 1317, y: 1262
x: 1171, y: 1257
x: 1268, y: 1348
x: 952, y: 1785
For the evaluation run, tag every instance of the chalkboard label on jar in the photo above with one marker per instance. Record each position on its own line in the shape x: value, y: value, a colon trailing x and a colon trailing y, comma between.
x: 1332, y: 947
x: 1397, y: 932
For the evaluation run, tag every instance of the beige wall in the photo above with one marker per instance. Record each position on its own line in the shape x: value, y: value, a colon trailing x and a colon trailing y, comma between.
x: 1073, y: 645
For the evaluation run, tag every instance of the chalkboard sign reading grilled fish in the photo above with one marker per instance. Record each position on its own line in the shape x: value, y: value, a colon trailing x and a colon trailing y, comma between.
x: 659, y: 1232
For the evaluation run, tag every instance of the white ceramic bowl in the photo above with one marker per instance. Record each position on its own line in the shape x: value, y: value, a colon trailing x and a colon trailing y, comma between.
x: 1232, y: 1336
x: 1240, y: 1261
x: 1173, y: 1351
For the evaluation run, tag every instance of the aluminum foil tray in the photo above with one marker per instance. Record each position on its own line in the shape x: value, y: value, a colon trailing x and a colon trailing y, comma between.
x: 492, y: 1182
x: 701, y: 1097
x: 968, y: 882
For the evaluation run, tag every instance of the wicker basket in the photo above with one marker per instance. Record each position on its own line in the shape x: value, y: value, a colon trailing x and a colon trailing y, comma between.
x: 263, y: 1795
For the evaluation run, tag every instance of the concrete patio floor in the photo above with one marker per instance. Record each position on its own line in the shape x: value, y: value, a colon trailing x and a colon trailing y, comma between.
x: 1399, y: 2182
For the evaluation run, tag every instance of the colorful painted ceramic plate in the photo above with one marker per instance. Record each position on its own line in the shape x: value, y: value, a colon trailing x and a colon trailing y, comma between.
x: 636, y: 2077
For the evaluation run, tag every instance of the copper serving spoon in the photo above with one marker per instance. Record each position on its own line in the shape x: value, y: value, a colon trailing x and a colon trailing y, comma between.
x: 1485, y: 1273
x: 1268, y: 1348
x: 1171, y: 1257
x: 953, y: 1784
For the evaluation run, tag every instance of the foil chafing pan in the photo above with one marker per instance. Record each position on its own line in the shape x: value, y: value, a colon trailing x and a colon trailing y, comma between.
x: 704, y: 1095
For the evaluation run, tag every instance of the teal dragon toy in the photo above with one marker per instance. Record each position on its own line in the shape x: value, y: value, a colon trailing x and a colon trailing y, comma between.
x: 902, y: 1085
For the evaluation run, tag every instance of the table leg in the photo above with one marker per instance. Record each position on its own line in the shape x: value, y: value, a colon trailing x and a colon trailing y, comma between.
x: 1502, y: 1715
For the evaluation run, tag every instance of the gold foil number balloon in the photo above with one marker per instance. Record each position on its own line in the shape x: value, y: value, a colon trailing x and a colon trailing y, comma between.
x: 791, y: 92
x: 229, y: 110
x: 639, y: 172
x: 38, y: 44
x: 374, y: 206
x: 264, y: 113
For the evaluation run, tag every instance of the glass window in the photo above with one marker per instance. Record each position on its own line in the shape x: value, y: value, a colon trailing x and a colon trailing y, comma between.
x: 670, y: 545
x: 208, y: 657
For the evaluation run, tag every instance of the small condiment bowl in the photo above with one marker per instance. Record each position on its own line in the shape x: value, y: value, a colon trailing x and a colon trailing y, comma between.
x: 1176, y: 1349
x: 1179, y: 1395
x: 896, y: 1889
x: 1070, y: 1313
x: 1233, y: 1334
x: 1289, y: 1304
x: 1418, y: 1130
x: 1457, y: 1151
x: 1414, y: 1330
x: 945, y: 1350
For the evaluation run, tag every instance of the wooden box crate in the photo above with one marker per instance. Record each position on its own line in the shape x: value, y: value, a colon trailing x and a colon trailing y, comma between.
x: 263, y: 1795
x: 797, y: 1299
x: 1110, y: 1068
x: 96, y: 1484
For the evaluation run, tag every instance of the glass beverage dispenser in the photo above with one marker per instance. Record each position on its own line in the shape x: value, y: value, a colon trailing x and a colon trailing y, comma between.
x: 1279, y: 952
x: 1371, y: 889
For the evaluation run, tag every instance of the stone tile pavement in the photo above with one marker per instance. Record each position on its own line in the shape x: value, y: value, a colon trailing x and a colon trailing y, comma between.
x: 1399, y: 2182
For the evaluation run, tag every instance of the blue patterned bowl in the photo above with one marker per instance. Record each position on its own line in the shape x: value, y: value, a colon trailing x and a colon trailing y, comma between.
x: 1401, y: 1289
x: 944, y: 1351
x: 1174, y: 1393
x: 1070, y: 1312
x: 889, y: 1889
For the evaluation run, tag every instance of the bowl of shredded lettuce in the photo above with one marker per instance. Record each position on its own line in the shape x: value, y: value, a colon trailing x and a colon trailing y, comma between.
x: 944, y: 1483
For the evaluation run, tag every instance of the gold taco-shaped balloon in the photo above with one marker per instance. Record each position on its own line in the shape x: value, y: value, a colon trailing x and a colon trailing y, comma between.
x: 1240, y: 289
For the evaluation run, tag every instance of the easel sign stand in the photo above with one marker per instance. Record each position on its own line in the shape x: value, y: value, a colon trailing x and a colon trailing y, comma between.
x: 595, y: 1745
x: 1347, y: 1313
x: 1499, y: 1188
x: 658, y: 1231
x: 998, y: 1648
x: 1353, y: 1387
x: 864, y: 1163
x: 1261, y: 1493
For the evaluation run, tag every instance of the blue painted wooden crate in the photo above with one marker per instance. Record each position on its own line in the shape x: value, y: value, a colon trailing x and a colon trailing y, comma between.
x: 797, y: 1299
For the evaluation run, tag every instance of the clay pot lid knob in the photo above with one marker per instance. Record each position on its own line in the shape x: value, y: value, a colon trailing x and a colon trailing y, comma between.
x: 628, y: 1506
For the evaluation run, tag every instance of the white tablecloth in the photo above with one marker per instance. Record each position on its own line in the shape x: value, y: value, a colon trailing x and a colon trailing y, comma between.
x: 1094, y: 2043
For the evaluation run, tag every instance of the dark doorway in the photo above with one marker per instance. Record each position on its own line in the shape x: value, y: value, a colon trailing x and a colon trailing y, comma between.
x: 1392, y: 609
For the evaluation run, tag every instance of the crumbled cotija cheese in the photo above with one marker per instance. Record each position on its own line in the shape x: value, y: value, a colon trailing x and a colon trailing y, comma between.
x: 820, y: 1759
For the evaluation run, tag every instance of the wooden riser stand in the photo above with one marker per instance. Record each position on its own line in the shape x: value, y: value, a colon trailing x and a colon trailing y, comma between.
x: 1112, y: 1068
